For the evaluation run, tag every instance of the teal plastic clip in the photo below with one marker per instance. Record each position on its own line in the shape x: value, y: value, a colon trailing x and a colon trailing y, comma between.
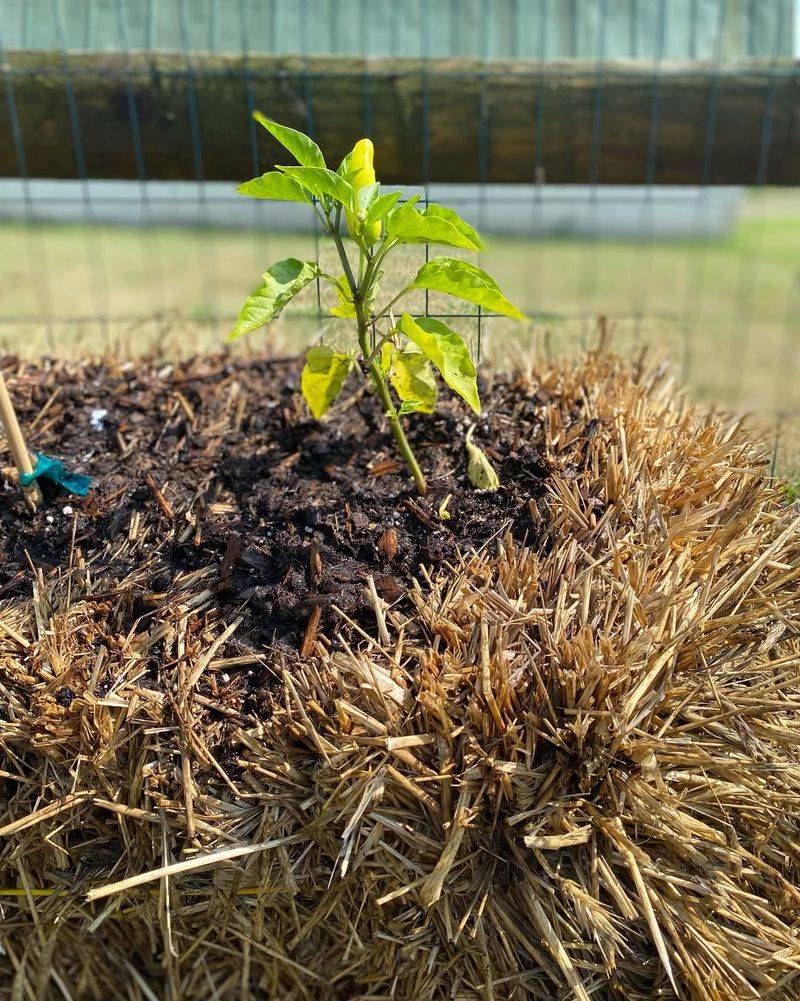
x: 53, y: 469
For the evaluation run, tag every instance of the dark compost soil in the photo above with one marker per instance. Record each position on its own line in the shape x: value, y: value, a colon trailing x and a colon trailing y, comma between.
x: 222, y: 456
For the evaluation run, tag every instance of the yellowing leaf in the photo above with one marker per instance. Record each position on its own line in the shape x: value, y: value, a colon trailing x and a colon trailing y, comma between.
x: 480, y: 471
x: 463, y: 227
x: 464, y: 280
x: 324, y: 374
x: 413, y: 380
x: 448, y: 352
x: 280, y: 284
x: 407, y: 225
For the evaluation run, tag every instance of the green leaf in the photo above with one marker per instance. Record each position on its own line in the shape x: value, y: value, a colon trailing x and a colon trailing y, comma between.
x: 381, y: 207
x: 280, y: 284
x: 464, y: 280
x: 463, y: 227
x: 366, y: 196
x: 407, y: 225
x: 414, y: 381
x: 324, y: 374
x: 344, y: 167
x: 323, y: 183
x: 385, y: 358
x: 303, y: 149
x: 448, y: 352
x: 480, y: 471
x: 410, y: 407
x: 275, y: 186
x: 345, y: 308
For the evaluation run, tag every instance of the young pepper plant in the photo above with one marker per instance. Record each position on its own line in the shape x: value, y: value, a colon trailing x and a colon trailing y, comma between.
x: 400, y: 356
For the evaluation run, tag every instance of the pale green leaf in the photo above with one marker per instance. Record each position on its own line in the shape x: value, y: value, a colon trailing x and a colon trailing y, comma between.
x: 465, y: 281
x: 275, y: 186
x: 303, y: 149
x: 448, y: 352
x: 407, y: 225
x: 343, y: 170
x: 280, y: 284
x: 480, y: 471
x: 366, y: 195
x: 324, y: 374
x: 463, y: 227
x: 411, y: 407
x: 322, y: 183
x: 385, y: 358
x: 345, y: 309
x: 414, y: 381
x: 381, y: 207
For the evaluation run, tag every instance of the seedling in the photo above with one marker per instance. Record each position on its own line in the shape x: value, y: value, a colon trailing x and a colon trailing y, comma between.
x: 397, y: 356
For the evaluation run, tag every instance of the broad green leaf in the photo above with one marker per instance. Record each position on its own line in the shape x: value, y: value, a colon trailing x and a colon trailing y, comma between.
x: 448, y: 352
x: 275, y: 186
x: 407, y: 225
x: 323, y: 183
x: 464, y: 280
x: 463, y: 227
x: 303, y: 149
x: 413, y: 380
x: 280, y: 284
x: 324, y: 374
x: 480, y: 471
x: 382, y: 206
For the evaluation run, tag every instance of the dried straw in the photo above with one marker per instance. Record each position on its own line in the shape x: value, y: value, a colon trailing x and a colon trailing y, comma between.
x: 573, y: 771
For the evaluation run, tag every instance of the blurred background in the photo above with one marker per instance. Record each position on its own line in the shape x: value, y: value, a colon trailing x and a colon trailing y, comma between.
x: 637, y: 160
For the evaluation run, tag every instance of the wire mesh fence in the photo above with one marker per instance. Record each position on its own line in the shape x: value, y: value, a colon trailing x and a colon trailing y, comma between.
x: 145, y: 109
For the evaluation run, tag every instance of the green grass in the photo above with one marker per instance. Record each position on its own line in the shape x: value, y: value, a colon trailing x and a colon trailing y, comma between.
x: 725, y: 311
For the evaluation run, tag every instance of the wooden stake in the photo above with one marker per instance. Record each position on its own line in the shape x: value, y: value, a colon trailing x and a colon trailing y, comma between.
x: 16, y: 444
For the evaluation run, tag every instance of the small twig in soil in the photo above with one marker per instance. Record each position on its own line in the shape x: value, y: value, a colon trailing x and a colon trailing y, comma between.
x: 161, y: 500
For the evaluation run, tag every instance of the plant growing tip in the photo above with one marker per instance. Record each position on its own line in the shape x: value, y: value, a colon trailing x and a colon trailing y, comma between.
x: 399, y: 360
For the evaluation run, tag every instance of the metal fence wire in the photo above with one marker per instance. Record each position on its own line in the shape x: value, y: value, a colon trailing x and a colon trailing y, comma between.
x: 622, y: 155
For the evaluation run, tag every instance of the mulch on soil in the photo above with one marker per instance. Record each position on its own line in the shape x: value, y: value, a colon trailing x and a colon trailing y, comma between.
x: 222, y: 457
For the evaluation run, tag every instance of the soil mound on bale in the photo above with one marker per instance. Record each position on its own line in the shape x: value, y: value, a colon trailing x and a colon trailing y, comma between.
x: 563, y: 769
x: 219, y: 462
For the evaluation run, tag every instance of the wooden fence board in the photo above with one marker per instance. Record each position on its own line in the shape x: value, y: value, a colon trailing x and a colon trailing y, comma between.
x: 442, y: 120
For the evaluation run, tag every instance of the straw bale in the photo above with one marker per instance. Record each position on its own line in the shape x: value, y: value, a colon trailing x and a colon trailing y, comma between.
x: 570, y: 770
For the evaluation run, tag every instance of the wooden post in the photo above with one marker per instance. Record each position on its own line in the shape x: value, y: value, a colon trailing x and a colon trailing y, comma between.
x: 16, y: 444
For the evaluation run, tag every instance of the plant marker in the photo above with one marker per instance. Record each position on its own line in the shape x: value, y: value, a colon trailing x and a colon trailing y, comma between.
x: 16, y: 445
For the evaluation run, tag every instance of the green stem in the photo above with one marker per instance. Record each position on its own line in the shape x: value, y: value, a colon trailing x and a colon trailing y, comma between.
x: 389, y: 305
x: 376, y: 375
x: 337, y: 237
x: 382, y: 390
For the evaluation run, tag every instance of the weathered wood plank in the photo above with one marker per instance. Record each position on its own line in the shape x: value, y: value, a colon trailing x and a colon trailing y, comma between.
x: 445, y: 120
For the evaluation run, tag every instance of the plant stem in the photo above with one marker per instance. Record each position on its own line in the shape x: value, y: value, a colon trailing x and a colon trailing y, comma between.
x: 382, y: 390
x: 337, y: 237
x: 389, y: 304
x: 376, y: 375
